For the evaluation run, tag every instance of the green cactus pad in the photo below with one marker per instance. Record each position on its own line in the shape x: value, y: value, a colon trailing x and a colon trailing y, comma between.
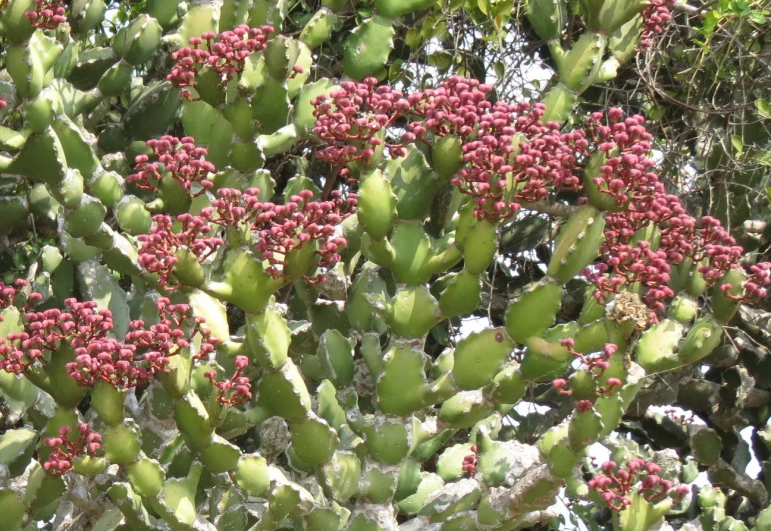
x: 461, y: 294
x: 220, y: 456
x: 579, y: 67
x: 31, y: 65
x: 702, y: 338
x: 340, y: 476
x: 12, y: 508
x: 533, y: 312
x: 447, y: 156
x: 411, y: 313
x: 368, y: 48
x: 85, y: 15
x: 193, y: 420
x: 122, y: 443
x: 267, y: 338
x: 684, y: 308
x: 449, y: 466
x: 655, y: 349
x: 377, y: 205
x: 138, y: 42
x: 15, y: 210
x: 464, y: 409
x: 319, y: 28
x: 360, y: 313
x: 548, y: 17
x: 724, y: 307
x: 578, y: 243
x: 252, y: 474
x: 146, y: 477
x: 285, y: 393
x: 451, y: 499
x: 479, y: 356
x: 388, y: 442
x: 429, y: 484
x: 314, y: 440
x: 84, y: 220
x: 335, y: 353
x: 16, y: 449
x: 402, y: 386
x: 108, y: 402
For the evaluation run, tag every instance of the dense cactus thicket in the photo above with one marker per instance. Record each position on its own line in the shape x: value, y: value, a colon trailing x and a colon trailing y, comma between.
x: 252, y: 245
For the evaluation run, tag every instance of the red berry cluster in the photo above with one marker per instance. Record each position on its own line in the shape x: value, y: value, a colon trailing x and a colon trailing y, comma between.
x: 286, y: 228
x: 350, y: 121
x: 597, y: 365
x: 144, y: 352
x: 627, y: 176
x: 178, y: 157
x: 157, y: 253
x: 65, y: 451
x: 225, y: 54
x: 282, y: 229
x: 514, y: 150
x: 3, y: 103
x: 469, y: 465
x: 48, y: 14
x: 237, y: 389
x: 654, y: 17
x: 760, y: 275
x: 615, y: 484
x: 453, y: 108
x: 44, y: 331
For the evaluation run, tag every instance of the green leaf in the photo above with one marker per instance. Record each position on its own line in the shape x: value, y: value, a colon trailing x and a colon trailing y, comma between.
x: 764, y: 108
x: 738, y: 145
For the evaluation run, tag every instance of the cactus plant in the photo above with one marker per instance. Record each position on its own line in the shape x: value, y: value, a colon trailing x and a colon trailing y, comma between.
x: 246, y: 314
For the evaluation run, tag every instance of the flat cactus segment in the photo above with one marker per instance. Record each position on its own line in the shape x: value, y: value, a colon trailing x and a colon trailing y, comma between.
x: 318, y: 30
x: 377, y: 205
x: 139, y: 41
x: 533, y: 312
x: 130, y: 504
x: 16, y: 449
x: 388, y: 442
x: 655, y: 349
x: 402, y: 385
x: 108, y: 402
x: 146, y: 477
x: 176, y: 504
x: 548, y: 17
x: 31, y: 65
x: 464, y: 410
x: 723, y: 306
x: 578, y: 68
x: 252, y: 475
x: 150, y: 114
x: 220, y: 456
x: 340, y: 477
x: 461, y: 295
x: 367, y: 49
x: 41, y: 158
x: 12, y: 508
x: 314, y: 440
x: 411, y: 313
x: 449, y: 466
x: 15, y: 210
x: 285, y: 393
x: 414, y: 184
x: 578, y: 243
x: 703, y: 337
x: 451, y: 499
x: 268, y: 338
x: 368, y: 286
x: 335, y: 353
x: 397, y: 8
x: 193, y: 420
x: 479, y: 356
x: 85, y: 15
x: 14, y: 26
x: 122, y: 443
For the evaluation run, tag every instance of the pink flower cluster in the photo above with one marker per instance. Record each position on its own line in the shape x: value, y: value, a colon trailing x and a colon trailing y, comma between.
x: 286, y: 228
x: 145, y: 351
x: 469, y: 465
x: 157, y: 252
x: 48, y: 14
x: 514, y: 150
x: 44, y: 331
x: 615, y: 484
x: 65, y: 451
x: 597, y: 365
x: 225, y: 54
x: 350, y: 121
x: 628, y: 177
x: 237, y: 389
x: 178, y: 157
x: 453, y: 108
x: 281, y: 229
x: 505, y: 146
x: 3, y: 103
x: 654, y: 17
